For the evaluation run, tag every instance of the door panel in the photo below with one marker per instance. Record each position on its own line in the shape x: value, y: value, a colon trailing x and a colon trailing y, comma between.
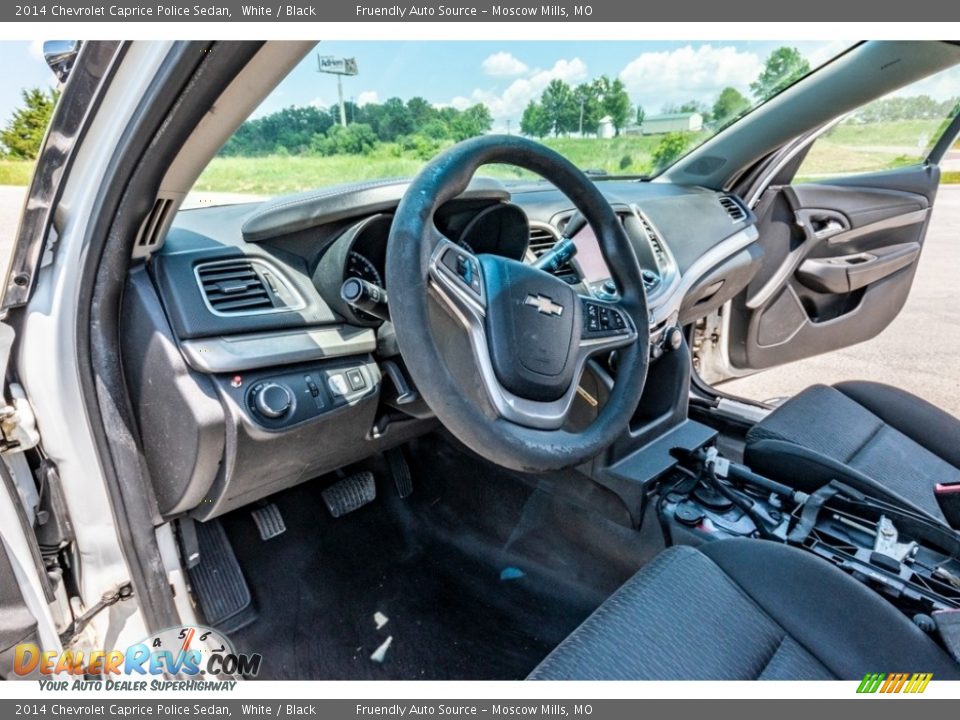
x: 839, y: 261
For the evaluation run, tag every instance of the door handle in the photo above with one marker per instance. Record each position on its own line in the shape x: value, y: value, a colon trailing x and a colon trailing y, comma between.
x: 821, y: 224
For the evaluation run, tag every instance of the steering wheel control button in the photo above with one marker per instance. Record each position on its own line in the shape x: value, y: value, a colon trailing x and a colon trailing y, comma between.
x: 464, y: 267
x: 356, y: 379
x: 338, y: 384
x: 601, y: 320
x: 272, y: 400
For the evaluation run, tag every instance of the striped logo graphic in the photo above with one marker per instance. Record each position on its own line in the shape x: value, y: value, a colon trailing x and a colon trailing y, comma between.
x: 894, y: 682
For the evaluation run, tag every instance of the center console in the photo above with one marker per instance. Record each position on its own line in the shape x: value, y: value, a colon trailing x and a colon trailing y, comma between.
x: 912, y: 560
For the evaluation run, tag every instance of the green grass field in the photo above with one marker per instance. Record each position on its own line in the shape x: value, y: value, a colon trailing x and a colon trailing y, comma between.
x: 849, y: 148
x: 277, y: 174
x: 15, y: 172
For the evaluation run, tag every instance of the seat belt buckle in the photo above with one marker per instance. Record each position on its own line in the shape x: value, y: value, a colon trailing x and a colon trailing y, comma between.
x: 948, y: 498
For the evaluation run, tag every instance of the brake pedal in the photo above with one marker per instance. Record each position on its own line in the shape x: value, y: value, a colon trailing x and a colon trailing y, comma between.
x: 269, y: 521
x: 350, y: 494
x: 400, y: 471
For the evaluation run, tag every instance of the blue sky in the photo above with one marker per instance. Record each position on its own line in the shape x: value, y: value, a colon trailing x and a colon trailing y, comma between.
x: 21, y: 66
x: 507, y: 75
x: 503, y: 75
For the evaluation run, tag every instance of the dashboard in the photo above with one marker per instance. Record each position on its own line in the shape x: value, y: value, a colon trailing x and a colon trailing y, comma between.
x: 277, y: 379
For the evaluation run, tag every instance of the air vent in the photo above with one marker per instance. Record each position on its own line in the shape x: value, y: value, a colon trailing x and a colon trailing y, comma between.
x: 245, y: 287
x: 154, y: 227
x: 542, y: 239
x: 733, y: 208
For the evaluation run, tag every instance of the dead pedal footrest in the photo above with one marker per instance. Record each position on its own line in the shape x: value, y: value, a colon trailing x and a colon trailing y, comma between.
x: 350, y: 493
x: 217, y: 581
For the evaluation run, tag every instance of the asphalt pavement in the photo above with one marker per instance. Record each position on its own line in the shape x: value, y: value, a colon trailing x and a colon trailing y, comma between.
x: 919, y: 352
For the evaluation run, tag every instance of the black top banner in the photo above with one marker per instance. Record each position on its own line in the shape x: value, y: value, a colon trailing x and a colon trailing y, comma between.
x: 478, y: 11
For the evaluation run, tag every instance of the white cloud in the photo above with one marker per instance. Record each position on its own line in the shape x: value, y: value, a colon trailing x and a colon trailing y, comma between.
x: 944, y: 85
x: 655, y: 79
x: 503, y: 64
x: 36, y: 49
x: 827, y: 51
x: 509, y: 103
x: 319, y: 102
x: 367, y: 97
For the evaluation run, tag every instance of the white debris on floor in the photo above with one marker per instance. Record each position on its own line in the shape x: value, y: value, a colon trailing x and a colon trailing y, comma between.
x: 381, y: 652
x: 380, y: 619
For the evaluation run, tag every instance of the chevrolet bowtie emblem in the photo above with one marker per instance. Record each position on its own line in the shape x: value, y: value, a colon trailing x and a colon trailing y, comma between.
x: 544, y: 305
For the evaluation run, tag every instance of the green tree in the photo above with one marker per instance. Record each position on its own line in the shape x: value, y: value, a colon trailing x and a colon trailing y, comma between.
x: 615, y: 101
x: 23, y: 134
x: 560, y: 107
x: 292, y: 128
x: 534, y: 121
x: 355, y: 139
x: 395, y: 120
x: 421, y: 111
x: 729, y: 105
x: 784, y: 66
x: 589, y: 110
x: 670, y: 149
x: 475, y: 120
x: 641, y: 114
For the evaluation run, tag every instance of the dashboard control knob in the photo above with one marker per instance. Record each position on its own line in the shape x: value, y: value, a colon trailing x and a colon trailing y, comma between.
x: 273, y: 400
x: 610, y: 287
x: 673, y: 338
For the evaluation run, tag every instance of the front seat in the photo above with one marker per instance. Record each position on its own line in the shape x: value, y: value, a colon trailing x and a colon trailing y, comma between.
x: 879, y: 439
x: 743, y: 610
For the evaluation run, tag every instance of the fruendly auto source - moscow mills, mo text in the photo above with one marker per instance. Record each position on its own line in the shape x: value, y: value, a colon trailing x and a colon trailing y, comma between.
x: 494, y: 11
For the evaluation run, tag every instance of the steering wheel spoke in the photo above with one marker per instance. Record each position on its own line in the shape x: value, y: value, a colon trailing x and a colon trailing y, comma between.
x: 457, y: 281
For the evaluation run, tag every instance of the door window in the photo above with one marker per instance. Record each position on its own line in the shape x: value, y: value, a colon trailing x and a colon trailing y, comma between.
x: 897, y: 130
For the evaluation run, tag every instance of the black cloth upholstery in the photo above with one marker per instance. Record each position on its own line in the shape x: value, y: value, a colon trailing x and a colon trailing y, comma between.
x: 742, y: 610
x: 881, y: 440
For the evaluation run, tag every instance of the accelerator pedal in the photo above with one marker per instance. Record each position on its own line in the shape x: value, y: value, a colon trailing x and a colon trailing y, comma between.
x: 218, y: 583
x: 269, y: 521
x: 400, y: 471
x: 350, y: 493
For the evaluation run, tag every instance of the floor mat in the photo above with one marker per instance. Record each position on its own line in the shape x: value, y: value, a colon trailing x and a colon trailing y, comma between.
x: 478, y: 574
x: 319, y: 587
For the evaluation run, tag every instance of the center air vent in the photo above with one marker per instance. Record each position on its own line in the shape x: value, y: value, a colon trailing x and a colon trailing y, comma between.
x: 733, y: 208
x: 542, y: 239
x: 245, y: 287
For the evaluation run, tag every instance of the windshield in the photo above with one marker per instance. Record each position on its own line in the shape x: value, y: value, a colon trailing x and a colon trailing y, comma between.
x: 354, y: 111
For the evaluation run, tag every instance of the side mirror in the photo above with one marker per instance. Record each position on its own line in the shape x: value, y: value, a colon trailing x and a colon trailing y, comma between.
x: 60, y: 56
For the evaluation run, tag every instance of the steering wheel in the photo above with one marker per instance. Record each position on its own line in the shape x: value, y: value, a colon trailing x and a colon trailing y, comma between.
x: 506, y: 392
